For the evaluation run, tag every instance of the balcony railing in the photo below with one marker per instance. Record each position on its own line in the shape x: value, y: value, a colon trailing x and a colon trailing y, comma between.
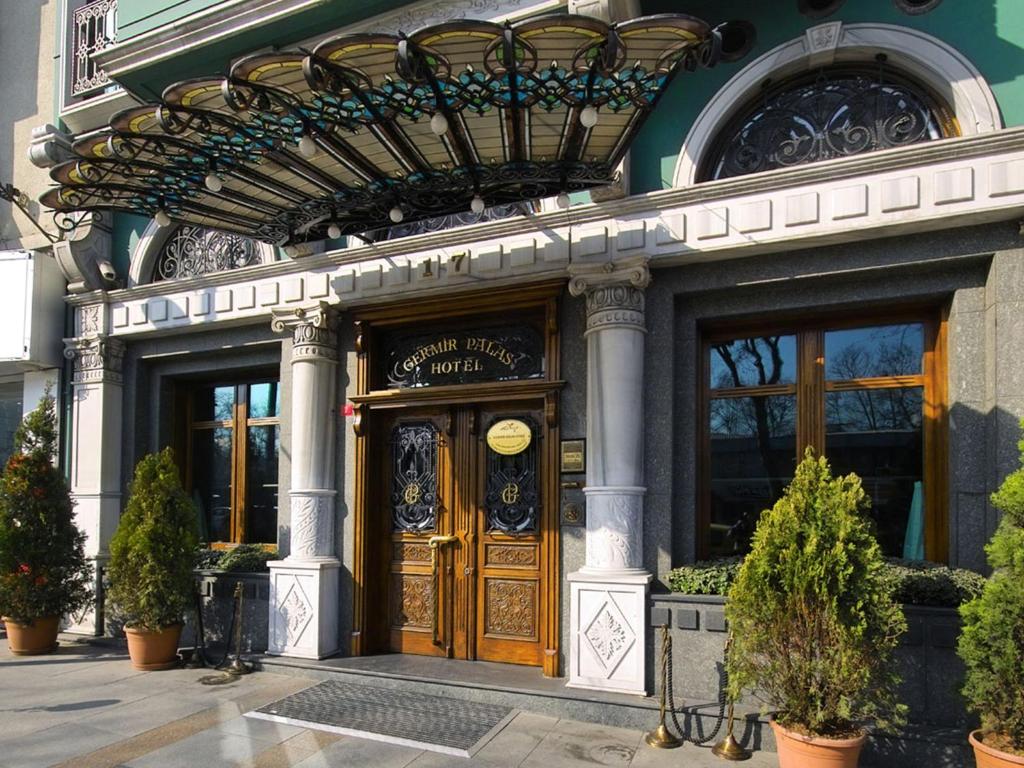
x: 93, y: 28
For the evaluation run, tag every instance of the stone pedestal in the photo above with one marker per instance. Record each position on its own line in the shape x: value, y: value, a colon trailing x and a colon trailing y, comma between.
x: 95, y: 448
x: 607, y: 618
x: 304, y: 587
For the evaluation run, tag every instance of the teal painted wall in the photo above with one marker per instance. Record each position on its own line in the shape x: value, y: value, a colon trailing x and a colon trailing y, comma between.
x: 988, y: 32
x: 126, y: 231
x: 137, y: 16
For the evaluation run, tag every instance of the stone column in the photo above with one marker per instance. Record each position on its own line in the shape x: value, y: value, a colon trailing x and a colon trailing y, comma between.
x: 96, y: 413
x: 304, y: 587
x: 609, y: 594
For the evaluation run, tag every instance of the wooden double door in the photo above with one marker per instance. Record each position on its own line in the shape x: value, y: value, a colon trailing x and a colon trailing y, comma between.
x: 459, y: 540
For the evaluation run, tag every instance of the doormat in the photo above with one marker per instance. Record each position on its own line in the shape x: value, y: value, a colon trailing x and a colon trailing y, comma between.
x: 433, y: 723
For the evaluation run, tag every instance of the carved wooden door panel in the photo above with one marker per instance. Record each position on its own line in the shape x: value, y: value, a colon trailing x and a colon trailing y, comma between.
x: 415, y: 496
x: 510, y: 588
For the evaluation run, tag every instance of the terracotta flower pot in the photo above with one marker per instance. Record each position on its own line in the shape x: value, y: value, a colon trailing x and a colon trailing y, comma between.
x: 988, y: 757
x: 799, y: 751
x: 32, y: 639
x: 152, y: 650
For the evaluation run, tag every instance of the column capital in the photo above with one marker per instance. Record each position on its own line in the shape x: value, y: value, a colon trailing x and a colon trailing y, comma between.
x: 585, y: 278
x: 97, y: 358
x: 614, y: 291
x: 313, y: 329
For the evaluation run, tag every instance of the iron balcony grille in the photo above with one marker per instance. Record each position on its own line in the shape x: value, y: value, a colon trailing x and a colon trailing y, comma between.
x: 93, y: 28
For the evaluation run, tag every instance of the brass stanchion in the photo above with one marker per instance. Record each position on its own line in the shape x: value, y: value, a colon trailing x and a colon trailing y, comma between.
x: 661, y: 737
x: 728, y: 748
x: 237, y: 666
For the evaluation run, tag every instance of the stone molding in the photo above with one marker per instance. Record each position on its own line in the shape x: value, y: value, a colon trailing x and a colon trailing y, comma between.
x: 614, y: 529
x: 314, y: 331
x: 97, y: 359
x: 614, y: 292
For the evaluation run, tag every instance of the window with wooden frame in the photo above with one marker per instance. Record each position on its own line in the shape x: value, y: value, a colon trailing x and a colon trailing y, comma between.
x: 868, y: 392
x: 233, y: 435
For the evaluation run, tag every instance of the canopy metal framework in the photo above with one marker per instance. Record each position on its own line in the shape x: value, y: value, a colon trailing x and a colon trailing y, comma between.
x: 368, y: 130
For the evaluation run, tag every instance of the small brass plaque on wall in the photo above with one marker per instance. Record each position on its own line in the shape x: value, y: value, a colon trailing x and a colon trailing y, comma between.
x: 574, y: 456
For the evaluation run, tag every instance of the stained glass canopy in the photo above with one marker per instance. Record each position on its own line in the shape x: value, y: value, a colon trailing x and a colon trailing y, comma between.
x: 369, y: 129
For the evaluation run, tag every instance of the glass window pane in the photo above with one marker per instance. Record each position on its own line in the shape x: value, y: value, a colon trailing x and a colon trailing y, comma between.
x: 264, y: 400
x: 261, y: 484
x: 860, y: 353
x: 753, y: 453
x: 877, y: 434
x: 211, y: 481
x: 11, y: 408
x: 753, y: 362
x: 214, y: 404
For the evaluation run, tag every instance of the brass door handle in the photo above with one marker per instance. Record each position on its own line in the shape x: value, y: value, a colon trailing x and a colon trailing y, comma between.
x: 435, y: 543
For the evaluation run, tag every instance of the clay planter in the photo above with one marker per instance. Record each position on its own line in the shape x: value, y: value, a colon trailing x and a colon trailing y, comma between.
x: 799, y: 751
x: 987, y: 757
x: 151, y: 650
x: 33, y: 639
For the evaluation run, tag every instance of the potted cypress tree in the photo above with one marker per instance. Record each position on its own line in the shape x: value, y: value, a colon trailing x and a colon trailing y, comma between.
x: 814, y: 623
x: 151, y: 562
x: 992, y: 638
x: 43, y: 570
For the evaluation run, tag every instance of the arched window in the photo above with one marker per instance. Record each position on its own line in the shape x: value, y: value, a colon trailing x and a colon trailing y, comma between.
x: 833, y: 112
x: 192, y: 251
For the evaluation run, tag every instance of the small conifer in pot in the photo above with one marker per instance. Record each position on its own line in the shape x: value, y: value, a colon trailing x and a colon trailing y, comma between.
x: 151, y: 582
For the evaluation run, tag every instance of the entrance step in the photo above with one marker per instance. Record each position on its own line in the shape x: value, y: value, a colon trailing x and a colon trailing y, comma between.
x: 526, y: 689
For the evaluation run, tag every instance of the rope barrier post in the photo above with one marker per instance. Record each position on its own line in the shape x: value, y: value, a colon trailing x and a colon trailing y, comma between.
x: 661, y: 737
x: 237, y: 666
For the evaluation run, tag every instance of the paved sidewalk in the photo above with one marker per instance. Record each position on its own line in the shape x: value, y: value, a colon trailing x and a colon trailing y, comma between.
x: 85, y: 707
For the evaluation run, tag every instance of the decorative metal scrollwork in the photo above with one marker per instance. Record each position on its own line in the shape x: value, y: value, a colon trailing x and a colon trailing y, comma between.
x: 512, y: 499
x: 414, y: 477
x: 836, y: 115
x: 193, y: 251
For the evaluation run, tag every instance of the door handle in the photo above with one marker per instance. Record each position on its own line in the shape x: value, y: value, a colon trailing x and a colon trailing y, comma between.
x: 435, y: 543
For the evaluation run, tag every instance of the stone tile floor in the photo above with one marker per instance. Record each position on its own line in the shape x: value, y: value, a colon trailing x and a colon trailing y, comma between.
x: 85, y: 707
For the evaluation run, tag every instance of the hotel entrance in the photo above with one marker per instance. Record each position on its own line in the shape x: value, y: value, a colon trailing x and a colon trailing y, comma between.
x: 457, y: 518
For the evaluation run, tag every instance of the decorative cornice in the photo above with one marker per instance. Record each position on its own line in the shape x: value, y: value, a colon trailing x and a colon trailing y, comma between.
x: 586, y: 277
x: 313, y: 328
x: 97, y: 359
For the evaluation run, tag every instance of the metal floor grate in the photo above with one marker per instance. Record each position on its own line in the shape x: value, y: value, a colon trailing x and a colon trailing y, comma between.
x: 434, y: 723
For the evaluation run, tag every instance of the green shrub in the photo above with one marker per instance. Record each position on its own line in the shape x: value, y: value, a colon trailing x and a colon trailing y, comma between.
x: 992, y: 639
x: 914, y: 582
x: 705, y: 577
x: 246, y: 558
x: 43, y: 570
x: 151, y: 553
x: 207, y: 559
x: 812, y: 616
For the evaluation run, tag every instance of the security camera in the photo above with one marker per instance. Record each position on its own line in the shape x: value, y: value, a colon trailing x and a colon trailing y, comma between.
x: 107, y: 271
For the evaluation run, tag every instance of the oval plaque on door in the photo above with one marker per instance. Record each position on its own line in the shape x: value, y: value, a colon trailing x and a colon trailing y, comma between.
x: 509, y: 437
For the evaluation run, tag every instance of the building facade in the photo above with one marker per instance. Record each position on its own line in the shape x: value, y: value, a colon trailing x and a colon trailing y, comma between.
x: 490, y: 437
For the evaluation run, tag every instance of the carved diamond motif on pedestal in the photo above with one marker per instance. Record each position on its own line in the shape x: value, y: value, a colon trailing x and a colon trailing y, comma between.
x: 296, y: 613
x: 609, y: 635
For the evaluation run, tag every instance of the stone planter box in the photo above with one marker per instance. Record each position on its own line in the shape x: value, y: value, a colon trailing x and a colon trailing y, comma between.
x: 217, y: 590
x: 932, y: 675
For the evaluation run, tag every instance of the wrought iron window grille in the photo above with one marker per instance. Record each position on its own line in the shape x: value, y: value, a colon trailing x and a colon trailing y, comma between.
x: 94, y: 26
x: 840, y: 111
x: 193, y: 251
x: 372, y: 130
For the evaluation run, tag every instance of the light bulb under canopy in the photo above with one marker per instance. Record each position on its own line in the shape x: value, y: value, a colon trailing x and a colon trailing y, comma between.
x: 562, y: 201
x: 334, y: 231
x: 476, y: 205
x: 162, y: 219
x: 290, y: 251
x: 588, y: 116
x: 396, y: 214
x: 213, y: 182
x: 307, y: 147
x: 439, y: 124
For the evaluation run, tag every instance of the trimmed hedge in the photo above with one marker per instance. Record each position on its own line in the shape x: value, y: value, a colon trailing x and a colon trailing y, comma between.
x: 916, y: 582
x: 245, y: 558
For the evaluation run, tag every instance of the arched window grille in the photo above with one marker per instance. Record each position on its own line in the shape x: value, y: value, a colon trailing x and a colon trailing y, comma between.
x: 834, y: 112
x: 192, y: 251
